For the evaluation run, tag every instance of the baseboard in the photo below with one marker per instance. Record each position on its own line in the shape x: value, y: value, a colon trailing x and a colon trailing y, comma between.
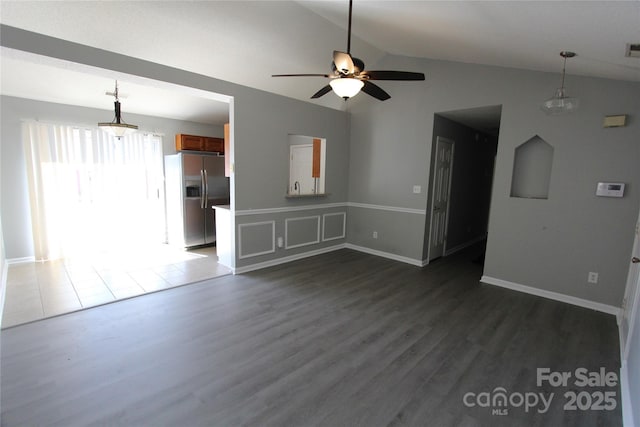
x: 22, y: 260
x: 464, y: 245
x: 552, y: 295
x: 284, y: 260
x: 407, y: 260
x: 3, y: 288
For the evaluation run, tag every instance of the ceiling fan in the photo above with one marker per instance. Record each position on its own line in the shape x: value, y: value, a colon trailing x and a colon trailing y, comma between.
x: 348, y: 75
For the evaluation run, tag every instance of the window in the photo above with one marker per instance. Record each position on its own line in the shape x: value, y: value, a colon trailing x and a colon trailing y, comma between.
x: 90, y: 191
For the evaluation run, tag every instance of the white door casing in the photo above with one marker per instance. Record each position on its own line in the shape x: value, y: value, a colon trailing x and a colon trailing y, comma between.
x: 440, y: 194
x: 631, y: 296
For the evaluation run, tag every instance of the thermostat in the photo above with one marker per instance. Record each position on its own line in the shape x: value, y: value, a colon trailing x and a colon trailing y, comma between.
x: 610, y: 189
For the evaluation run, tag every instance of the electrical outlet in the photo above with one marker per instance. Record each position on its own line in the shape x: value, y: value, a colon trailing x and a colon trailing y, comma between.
x: 417, y: 189
x: 375, y: 234
x: 593, y: 277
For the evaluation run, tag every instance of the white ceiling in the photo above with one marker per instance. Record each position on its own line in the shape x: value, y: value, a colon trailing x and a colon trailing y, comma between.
x: 517, y: 34
x: 245, y: 42
x: 31, y: 77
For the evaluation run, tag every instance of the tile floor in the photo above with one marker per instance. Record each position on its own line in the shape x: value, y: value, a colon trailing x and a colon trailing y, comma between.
x: 43, y: 289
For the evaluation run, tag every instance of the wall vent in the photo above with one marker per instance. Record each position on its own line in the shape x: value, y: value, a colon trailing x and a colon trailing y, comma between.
x: 633, y: 50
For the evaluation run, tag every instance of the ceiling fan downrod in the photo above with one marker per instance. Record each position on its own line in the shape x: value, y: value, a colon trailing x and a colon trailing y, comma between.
x: 349, y: 31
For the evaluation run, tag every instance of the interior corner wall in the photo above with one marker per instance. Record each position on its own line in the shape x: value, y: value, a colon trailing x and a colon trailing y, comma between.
x: 545, y: 244
x: 471, y: 180
x: 388, y: 157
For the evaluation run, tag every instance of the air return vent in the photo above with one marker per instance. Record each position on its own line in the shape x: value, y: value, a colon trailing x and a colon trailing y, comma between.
x: 633, y: 50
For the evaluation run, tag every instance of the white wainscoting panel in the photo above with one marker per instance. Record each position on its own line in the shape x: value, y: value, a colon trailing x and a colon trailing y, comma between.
x: 314, y: 225
x: 258, y: 246
x: 342, y: 235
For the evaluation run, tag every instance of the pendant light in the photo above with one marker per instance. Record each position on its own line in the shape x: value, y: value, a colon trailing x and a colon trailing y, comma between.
x: 117, y: 127
x: 560, y: 103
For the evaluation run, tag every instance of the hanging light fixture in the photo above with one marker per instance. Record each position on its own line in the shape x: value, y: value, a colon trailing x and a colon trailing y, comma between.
x: 560, y: 103
x: 346, y: 87
x: 117, y: 127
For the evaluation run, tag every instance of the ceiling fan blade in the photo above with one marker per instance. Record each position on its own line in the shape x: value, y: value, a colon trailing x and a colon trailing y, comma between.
x: 358, y: 65
x: 300, y: 75
x: 343, y: 62
x: 392, y: 75
x: 375, y: 91
x: 322, y: 92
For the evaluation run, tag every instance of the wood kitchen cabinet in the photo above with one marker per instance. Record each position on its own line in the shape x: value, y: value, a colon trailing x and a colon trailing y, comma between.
x: 199, y: 143
x: 213, y: 144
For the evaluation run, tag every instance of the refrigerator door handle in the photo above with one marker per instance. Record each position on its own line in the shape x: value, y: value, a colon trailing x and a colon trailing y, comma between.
x: 206, y: 189
x: 202, y: 189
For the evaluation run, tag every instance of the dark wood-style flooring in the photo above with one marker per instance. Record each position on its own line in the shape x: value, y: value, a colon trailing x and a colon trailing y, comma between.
x: 341, y: 339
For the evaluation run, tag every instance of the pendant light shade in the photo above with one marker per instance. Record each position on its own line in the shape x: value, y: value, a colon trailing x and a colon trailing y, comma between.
x: 117, y: 127
x: 560, y: 103
x: 346, y: 87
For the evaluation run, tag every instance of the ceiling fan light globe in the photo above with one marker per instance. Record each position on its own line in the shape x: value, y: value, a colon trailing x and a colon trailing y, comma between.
x: 346, y: 87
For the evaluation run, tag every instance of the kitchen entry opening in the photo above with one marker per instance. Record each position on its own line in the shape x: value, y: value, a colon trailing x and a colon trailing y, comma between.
x: 307, y: 158
x: 90, y: 191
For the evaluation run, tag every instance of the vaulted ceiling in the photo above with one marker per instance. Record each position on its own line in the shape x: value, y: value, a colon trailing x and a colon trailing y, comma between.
x: 246, y: 41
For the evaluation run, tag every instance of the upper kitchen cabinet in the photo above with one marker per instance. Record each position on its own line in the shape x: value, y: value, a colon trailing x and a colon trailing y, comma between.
x: 199, y: 143
x: 214, y: 144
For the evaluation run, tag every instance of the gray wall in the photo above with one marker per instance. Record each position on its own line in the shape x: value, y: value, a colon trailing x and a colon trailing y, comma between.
x: 388, y: 151
x: 548, y: 244
x: 3, y: 257
x: 16, y: 220
x: 263, y: 123
x: 473, y: 159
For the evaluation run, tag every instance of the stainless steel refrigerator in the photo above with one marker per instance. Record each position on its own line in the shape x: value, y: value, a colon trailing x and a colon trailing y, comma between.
x: 194, y: 183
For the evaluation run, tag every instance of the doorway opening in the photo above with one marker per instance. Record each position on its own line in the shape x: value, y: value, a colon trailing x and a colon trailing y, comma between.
x: 103, y: 265
x: 463, y: 155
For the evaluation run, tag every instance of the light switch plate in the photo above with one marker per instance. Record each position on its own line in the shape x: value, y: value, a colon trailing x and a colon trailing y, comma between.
x: 417, y: 189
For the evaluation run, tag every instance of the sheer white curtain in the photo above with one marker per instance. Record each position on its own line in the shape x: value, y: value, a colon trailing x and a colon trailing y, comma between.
x: 90, y: 191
